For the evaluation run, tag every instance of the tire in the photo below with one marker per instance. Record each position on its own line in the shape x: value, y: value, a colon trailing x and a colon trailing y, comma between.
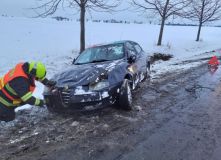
x: 125, y: 98
x: 147, y: 73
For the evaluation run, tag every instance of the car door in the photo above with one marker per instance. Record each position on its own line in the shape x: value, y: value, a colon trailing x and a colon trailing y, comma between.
x: 136, y: 66
x: 142, y: 60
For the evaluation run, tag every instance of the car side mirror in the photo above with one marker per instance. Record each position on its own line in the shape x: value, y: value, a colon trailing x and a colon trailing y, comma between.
x: 73, y: 60
x: 132, y: 58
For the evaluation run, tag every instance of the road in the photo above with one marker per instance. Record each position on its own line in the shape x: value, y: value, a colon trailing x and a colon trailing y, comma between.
x: 177, y: 117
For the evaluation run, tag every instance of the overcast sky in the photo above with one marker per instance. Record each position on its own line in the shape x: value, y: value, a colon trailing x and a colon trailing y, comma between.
x: 21, y: 8
x: 16, y: 7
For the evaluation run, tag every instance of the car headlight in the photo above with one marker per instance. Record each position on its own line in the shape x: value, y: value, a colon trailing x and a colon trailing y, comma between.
x: 132, y: 68
x: 99, y: 85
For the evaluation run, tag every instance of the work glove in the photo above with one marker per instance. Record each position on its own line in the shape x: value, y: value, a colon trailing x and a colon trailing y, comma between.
x: 42, y: 103
x: 49, y: 83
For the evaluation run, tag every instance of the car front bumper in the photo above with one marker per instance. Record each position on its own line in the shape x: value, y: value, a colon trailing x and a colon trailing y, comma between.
x: 65, y: 100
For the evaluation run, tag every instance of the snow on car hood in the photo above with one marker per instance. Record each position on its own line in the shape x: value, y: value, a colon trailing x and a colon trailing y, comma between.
x: 79, y: 75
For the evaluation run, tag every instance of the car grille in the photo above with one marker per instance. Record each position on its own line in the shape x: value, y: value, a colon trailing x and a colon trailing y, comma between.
x: 65, y: 96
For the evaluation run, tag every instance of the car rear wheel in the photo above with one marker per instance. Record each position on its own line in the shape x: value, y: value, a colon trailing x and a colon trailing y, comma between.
x: 125, y: 98
x: 147, y: 73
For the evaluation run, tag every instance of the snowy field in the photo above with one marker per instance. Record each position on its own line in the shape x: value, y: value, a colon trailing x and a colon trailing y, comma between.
x: 56, y: 43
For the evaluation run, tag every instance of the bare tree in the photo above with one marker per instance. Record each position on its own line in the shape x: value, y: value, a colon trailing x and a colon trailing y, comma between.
x: 163, y: 8
x: 203, y: 11
x: 82, y: 6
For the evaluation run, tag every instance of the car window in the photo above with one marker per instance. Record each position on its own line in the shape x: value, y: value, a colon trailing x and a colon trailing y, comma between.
x: 138, y: 48
x: 84, y: 56
x: 114, y: 52
x: 101, y: 53
x: 130, y: 49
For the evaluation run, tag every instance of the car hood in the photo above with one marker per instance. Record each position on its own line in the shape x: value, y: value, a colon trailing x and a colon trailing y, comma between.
x: 80, y: 75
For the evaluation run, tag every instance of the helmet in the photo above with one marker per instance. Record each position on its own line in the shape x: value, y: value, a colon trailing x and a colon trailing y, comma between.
x: 37, y: 69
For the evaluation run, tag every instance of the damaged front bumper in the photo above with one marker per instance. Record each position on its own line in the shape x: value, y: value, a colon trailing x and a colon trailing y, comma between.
x: 80, y: 98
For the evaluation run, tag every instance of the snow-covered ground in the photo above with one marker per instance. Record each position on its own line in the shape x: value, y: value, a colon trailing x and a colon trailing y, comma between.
x: 56, y: 43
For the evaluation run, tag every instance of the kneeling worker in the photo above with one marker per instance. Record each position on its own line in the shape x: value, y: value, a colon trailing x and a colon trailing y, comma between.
x: 17, y: 86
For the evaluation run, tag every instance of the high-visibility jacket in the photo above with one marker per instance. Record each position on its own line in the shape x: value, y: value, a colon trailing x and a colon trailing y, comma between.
x: 8, y: 91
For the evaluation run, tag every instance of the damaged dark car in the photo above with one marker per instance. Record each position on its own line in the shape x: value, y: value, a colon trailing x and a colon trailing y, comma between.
x: 100, y: 76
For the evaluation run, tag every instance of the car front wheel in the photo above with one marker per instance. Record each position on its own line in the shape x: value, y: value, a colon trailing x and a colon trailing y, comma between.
x: 125, y: 98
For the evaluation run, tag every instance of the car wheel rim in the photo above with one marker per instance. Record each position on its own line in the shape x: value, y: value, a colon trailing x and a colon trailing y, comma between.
x: 133, y: 85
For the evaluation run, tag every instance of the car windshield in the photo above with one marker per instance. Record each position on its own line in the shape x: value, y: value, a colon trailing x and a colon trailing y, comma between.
x: 101, y: 54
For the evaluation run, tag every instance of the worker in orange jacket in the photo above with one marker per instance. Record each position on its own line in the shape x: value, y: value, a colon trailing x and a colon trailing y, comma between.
x: 17, y: 86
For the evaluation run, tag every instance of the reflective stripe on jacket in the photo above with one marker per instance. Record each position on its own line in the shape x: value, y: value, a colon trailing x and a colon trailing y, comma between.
x: 1, y: 83
x: 9, y: 92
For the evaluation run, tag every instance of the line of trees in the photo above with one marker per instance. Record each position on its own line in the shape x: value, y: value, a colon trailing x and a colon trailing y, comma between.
x: 162, y: 8
x: 201, y: 11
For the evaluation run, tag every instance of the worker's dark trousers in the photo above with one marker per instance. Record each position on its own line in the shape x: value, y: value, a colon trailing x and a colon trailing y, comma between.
x: 6, y: 114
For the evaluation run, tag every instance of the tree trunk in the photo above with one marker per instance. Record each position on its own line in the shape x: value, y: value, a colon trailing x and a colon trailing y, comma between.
x: 161, y: 32
x: 199, y: 31
x: 200, y: 21
x: 163, y: 23
x: 82, y: 25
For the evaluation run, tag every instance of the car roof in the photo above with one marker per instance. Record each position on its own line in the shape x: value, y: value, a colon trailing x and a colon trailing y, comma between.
x: 115, y: 42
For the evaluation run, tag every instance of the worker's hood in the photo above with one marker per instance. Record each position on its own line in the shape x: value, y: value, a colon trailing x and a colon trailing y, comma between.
x: 80, y: 75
